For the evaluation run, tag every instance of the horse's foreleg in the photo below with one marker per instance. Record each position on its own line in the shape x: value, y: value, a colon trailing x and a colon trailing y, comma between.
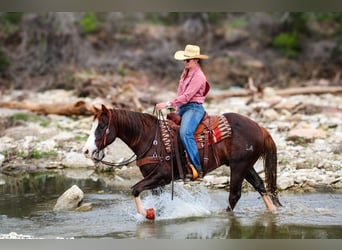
x: 147, y: 213
x: 139, y: 206
x: 142, y: 185
x: 235, y: 189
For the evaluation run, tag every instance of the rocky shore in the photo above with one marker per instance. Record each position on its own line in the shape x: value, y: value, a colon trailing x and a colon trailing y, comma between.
x: 306, y: 128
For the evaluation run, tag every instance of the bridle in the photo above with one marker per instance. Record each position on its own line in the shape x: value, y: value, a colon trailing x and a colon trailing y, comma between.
x: 103, y: 144
x: 107, y: 131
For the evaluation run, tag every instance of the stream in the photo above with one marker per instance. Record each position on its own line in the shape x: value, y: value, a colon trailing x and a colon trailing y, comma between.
x: 196, y: 212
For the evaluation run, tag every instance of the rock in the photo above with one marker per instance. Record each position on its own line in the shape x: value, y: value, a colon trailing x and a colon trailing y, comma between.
x: 208, y: 179
x: 307, y: 133
x: 285, y: 181
x: 270, y: 115
x: 218, y: 181
x: 234, y: 35
x: 287, y: 104
x: 2, y: 158
x: 69, y: 200
x: 7, y: 143
x: 77, y: 160
x: 84, y: 207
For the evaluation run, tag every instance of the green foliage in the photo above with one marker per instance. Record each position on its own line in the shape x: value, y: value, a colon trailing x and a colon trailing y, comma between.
x: 158, y: 19
x: 81, y: 138
x: 4, y: 62
x: 240, y: 22
x: 38, y: 154
x: 121, y: 71
x: 10, y: 21
x: 332, y: 18
x: 89, y: 23
x: 329, y: 16
x: 288, y: 44
x: 295, y: 22
x: 28, y: 117
x: 216, y: 17
x: 173, y: 18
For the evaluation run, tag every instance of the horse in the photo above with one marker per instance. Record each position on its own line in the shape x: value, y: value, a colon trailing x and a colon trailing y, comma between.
x: 141, y: 133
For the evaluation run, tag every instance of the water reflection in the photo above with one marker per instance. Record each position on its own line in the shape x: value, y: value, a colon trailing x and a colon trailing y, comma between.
x: 22, y: 194
x: 264, y: 227
x: 26, y: 204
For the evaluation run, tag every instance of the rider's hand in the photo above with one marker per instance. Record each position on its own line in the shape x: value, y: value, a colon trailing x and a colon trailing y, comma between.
x: 161, y: 105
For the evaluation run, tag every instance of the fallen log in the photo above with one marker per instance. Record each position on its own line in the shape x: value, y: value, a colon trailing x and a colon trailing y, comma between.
x: 67, y: 109
x: 316, y: 90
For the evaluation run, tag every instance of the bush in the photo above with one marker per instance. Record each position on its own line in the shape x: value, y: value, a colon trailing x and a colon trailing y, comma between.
x: 288, y: 44
x: 10, y: 22
x: 89, y: 23
x: 4, y: 63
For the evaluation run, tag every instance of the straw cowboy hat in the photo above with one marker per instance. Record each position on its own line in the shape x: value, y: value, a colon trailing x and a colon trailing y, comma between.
x: 190, y: 51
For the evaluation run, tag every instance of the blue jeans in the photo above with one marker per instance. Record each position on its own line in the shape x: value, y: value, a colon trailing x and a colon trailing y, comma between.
x: 192, y: 114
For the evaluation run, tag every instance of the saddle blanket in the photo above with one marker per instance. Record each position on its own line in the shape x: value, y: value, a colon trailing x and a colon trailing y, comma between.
x: 216, y: 134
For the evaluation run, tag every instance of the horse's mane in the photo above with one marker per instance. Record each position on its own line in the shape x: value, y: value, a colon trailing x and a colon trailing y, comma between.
x: 135, y: 124
x: 136, y: 119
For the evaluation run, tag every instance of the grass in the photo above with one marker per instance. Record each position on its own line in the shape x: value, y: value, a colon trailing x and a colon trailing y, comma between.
x: 28, y: 117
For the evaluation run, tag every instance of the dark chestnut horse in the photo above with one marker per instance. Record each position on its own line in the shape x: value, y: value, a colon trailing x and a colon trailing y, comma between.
x: 141, y: 132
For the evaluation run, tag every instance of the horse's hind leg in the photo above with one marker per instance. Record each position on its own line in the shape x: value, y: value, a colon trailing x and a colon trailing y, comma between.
x: 254, y: 179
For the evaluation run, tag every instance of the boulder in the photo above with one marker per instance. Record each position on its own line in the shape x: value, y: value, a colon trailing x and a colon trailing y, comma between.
x: 84, y: 207
x: 76, y: 160
x: 2, y: 159
x: 308, y: 134
x: 69, y: 200
x: 285, y: 180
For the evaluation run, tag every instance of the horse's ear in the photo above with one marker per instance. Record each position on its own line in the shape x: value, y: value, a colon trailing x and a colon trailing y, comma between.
x: 104, y: 109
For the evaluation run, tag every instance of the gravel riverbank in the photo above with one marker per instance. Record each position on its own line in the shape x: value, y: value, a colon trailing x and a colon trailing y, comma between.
x: 306, y: 128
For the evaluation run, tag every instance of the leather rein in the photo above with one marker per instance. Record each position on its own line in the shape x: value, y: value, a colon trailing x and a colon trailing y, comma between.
x: 143, y: 161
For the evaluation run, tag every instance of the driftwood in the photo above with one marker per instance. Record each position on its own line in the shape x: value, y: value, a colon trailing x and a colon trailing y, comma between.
x: 281, y: 92
x: 84, y: 108
x: 67, y: 109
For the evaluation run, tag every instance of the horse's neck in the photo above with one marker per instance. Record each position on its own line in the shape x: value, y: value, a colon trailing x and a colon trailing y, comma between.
x: 135, y: 129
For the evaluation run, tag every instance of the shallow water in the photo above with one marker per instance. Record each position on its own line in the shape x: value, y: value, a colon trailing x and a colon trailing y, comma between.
x: 194, y: 213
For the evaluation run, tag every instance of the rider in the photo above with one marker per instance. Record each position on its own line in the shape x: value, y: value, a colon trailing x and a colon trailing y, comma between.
x: 192, y: 91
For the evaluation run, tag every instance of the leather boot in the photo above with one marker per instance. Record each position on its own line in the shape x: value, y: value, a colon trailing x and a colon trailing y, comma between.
x: 194, y: 172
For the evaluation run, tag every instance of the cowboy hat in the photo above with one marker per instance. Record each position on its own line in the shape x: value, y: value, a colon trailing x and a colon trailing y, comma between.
x: 190, y: 51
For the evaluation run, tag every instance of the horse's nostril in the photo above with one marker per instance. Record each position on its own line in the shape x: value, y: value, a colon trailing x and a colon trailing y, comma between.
x: 86, y: 152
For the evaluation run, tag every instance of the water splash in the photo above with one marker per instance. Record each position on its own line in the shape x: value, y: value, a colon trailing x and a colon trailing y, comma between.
x: 188, y: 201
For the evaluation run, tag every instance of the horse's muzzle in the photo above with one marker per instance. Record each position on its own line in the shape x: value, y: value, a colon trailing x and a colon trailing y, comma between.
x: 98, y: 155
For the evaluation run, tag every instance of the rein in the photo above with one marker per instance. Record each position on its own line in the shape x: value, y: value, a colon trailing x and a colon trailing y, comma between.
x: 117, y: 164
x: 104, y: 143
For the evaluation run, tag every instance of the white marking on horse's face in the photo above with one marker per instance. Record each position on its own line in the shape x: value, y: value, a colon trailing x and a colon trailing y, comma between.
x: 90, y: 146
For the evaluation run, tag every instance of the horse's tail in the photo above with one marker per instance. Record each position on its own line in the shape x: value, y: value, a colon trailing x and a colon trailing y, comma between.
x: 270, y: 163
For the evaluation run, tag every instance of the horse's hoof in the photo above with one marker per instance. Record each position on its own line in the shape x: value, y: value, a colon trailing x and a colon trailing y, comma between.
x: 150, y: 214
